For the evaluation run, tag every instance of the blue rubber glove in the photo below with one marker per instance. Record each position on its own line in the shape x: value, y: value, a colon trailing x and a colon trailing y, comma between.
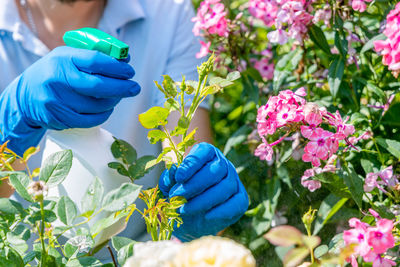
x: 216, y: 197
x: 68, y: 88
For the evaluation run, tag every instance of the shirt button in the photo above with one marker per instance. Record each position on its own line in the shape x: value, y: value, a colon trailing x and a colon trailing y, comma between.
x: 2, y: 33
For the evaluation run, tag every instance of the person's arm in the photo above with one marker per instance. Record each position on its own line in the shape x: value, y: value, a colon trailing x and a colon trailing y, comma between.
x: 6, y: 190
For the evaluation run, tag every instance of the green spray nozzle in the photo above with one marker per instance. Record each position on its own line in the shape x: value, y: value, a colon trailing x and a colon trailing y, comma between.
x: 94, y: 39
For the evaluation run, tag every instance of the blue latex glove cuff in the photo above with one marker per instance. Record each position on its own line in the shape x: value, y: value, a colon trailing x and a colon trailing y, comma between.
x: 216, y: 197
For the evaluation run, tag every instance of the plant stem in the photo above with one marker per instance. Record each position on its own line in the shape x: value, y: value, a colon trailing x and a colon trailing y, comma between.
x: 112, y: 256
x: 43, y: 257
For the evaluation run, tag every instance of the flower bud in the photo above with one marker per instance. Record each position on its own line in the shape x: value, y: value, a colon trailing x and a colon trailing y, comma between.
x: 38, y: 189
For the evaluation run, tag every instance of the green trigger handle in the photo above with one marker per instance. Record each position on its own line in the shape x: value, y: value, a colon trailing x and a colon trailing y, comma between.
x: 94, y: 39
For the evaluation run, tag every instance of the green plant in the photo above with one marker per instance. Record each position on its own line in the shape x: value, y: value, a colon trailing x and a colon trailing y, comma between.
x: 18, y: 224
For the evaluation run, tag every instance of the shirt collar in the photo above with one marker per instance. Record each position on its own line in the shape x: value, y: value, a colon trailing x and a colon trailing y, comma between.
x: 9, y: 16
x: 116, y: 14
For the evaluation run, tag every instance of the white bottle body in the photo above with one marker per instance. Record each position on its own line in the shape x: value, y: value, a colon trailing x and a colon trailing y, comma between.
x: 91, y: 150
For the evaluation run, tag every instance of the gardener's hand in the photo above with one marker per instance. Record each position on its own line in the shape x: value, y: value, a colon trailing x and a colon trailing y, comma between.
x: 68, y: 88
x: 216, y: 197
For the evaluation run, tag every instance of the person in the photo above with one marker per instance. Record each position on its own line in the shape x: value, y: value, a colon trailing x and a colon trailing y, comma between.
x: 47, y: 85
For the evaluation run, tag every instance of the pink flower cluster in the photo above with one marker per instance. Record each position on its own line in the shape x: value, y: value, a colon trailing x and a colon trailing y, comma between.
x: 377, y: 179
x: 210, y: 20
x: 290, y: 112
x: 265, y: 66
x: 390, y: 48
x: 359, y: 5
x: 371, y: 242
x: 290, y: 18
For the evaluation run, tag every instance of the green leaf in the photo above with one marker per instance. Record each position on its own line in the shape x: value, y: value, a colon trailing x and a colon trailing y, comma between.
x: 125, y: 253
x: 84, y: 262
x: 321, y: 251
x: 169, y: 86
x: 311, y: 242
x: 20, y: 182
x: 29, y: 153
x: 123, y: 151
x: 285, y: 66
x: 370, y: 44
x: 155, y: 136
x: 9, y: 206
x: 17, y: 243
x: 392, y: 146
x: 284, y: 235
x: 121, y: 197
x: 154, y: 117
x: 210, y: 90
x: 319, y: 39
x: 329, y: 206
x: 262, y: 222
x: 335, y: 75
x: 141, y: 167
x: 30, y: 257
x: 49, y: 216
x: 237, y: 138
x: 354, y: 182
x: 341, y: 45
x: 22, y: 232
x: 221, y: 82
x: 119, y: 241
x: 66, y: 210
x: 9, y: 257
x: 295, y: 256
x: 119, y: 167
x: 56, y: 167
x: 106, y: 222
x: 171, y: 104
x: 232, y: 76
x: 183, y: 122
x: 77, y: 244
x: 93, y: 196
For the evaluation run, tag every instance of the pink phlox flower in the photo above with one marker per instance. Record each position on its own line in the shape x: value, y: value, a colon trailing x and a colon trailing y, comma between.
x: 319, y: 144
x: 278, y: 36
x: 359, y: 5
x: 264, y: 151
x: 358, y: 236
x: 389, y: 48
x: 286, y: 114
x: 265, y: 68
x: 311, y: 157
x: 374, y: 213
x: 264, y: 10
x: 204, y: 50
x: 378, y: 260
x: 380, y: 238
x: 313, y: 120
x: 311, y: 184
x: 386, y: 178
x: 343, y: 130
x: 211, y: 19
x: 324, y: 14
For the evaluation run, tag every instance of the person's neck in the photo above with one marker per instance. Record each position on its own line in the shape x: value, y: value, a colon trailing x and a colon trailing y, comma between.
x: 53, y: 18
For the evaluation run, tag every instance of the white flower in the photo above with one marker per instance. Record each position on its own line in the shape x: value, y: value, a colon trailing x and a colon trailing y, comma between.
x: 153, y: 254
x: 214, y: 251
x: 37, y: 189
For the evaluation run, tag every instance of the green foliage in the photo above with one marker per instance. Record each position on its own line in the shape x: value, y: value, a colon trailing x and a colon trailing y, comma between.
x: 160, y: 215
x: 175, y: 95
x: 17, y: 223
x: 129, y: 165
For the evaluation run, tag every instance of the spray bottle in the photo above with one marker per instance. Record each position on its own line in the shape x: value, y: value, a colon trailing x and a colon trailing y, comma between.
x: 90, y: 147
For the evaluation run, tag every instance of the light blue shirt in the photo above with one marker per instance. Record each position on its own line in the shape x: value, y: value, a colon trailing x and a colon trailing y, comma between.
x: 159, y: 33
